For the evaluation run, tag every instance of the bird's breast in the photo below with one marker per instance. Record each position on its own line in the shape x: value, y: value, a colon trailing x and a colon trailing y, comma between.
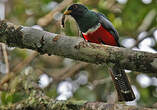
x: 99, y: 35
x: 93, y: 29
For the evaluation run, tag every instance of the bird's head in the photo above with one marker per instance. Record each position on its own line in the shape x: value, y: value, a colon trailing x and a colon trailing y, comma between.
x: 76, y: 10
x: 84, y: 17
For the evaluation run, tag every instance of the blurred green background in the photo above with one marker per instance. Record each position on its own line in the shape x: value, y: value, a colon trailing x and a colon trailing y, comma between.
x: 62, y: 78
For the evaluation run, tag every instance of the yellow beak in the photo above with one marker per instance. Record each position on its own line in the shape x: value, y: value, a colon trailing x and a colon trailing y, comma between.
x: 67, y: 12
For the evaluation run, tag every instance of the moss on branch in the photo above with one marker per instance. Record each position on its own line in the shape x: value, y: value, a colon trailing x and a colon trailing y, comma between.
x: 76, y: 48
x: 38, y: 101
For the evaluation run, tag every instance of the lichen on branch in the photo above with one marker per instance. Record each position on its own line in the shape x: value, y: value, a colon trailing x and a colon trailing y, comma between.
x: 76, y: 48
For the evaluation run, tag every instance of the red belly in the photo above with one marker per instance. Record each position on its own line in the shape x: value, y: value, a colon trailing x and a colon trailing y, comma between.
x: 99, y: 36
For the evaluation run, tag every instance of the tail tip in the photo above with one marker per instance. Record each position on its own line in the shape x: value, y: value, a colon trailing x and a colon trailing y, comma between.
x: 127, y: 97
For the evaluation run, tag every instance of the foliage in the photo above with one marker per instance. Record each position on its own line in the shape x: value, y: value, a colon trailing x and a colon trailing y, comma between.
x: 127, y: 18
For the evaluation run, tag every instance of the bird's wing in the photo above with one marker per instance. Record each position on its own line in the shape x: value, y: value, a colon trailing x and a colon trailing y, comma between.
x: 108, y: 26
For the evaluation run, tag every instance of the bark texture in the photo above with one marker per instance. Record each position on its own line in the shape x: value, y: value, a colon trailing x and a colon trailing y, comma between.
x: 38, y: 101
x: 76, y: 48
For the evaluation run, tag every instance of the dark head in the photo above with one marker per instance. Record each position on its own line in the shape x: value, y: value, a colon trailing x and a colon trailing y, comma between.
x: 84, y: 17
x: 76, y: 10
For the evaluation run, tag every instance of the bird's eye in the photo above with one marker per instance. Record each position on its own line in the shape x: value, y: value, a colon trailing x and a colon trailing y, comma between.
x: 75, y: 6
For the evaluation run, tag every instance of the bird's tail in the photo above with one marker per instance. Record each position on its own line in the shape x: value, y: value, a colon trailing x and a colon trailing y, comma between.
x: 122, y: 85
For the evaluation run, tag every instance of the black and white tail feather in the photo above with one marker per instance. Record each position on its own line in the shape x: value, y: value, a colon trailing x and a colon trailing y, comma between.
x: 122, y: 85
x: 120, y: 79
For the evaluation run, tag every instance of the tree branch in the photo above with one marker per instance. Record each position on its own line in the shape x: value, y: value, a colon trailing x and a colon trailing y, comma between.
x: 38, y: 101
x: 76, y: 48
x: 48, y: 18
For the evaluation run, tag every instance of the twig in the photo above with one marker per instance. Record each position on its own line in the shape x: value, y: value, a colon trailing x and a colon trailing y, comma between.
x: 113, y: 6
x: 48, y: 18
x: 147, y: 21
x: 144, y: 26
x: 149, y: 34
x: 17, y: 69
x: 6, y: 78
x: 101, y: 81
x: 70, y: 71
x: 5, y: 57
x: 24, y: 63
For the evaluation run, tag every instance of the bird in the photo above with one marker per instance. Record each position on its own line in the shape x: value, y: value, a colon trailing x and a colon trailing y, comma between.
x: 96, y: 28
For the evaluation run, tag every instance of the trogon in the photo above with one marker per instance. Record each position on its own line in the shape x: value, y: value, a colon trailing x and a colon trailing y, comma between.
x: 96, y: 28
